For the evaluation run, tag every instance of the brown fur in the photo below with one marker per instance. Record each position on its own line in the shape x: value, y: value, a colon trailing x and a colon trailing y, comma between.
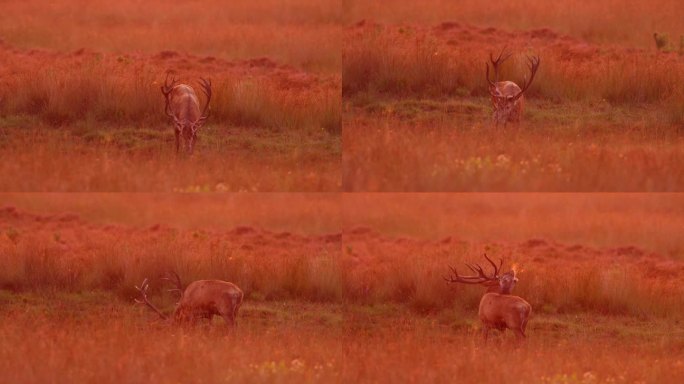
x: 505, y: 110
x: 182, y: 105
x: 201, y: 299
x: 507, y: 96
x: 206, y: 298
x: 498, y: 308
x: 504, y: 311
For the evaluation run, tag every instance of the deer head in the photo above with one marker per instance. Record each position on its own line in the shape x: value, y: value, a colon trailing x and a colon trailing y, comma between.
x: 494, y: 282
x: 498, y: 308
x: 506, y: 95
x: 186, y: 125
x: 200, y: 299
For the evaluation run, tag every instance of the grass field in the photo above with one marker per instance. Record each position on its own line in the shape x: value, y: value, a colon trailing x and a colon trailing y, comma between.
x: 99, y: 338
x: 603, y: 113
x: 342, y: 287
x: 301, y: 33
x: 85, y: 113
x: 605, y: 21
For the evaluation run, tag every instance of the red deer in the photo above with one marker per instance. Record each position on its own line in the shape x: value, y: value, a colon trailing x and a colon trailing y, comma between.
x: 201, y: 299
x: 498, y: 308
x: 507, y: 96
x: 182, y: 105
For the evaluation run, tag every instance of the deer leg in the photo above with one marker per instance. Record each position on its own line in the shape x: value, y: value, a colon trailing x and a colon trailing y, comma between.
x: 227, y: 311
x: 229, y: 316
x: 519, y: 332
x: 485, y: 332
x: 230, y: 319
x: 235, y: 312
x: 177, y: 140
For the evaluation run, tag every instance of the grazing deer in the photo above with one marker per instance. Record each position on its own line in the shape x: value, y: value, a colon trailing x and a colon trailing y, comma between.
x: 182, y: 105
x: 201, y: 299
x: 498, y: 308
x: 507, y: 96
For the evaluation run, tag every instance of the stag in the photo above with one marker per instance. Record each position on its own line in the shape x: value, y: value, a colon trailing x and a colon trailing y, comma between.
x: 498, y: 308
x: 182, y: 105
x: 507, y: 96
x: 201, y: 299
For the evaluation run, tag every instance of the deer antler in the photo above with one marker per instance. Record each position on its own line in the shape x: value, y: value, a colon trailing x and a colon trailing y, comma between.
x: 206, y: 88
x: 143, y: 293
x: 480, y: 277
x: 166, y: 91
x: 533, y: 66
x: 175, y: 279
x: 495, y: 63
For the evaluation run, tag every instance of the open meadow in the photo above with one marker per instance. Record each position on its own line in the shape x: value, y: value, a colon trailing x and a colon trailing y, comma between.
x: 342, y: 288
x: 603, y: 113
x: 81, y: 107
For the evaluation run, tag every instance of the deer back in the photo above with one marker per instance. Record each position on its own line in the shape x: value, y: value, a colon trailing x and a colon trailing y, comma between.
x: 184, y: 103
x: 209, y: 293
x: 498, y: 309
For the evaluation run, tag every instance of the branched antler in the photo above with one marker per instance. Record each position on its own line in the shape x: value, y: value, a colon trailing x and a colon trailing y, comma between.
x: 143, y: 294
x: 480, y: 276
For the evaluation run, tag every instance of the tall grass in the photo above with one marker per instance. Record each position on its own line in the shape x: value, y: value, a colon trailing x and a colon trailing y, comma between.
x: 111, y: 91
x: 115, y: 342
x: 356, y: 268
x: 414, y: 61
x: 92, y: 156
x: 317, y: 277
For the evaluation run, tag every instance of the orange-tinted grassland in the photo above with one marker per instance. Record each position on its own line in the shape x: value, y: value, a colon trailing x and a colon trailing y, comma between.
x: 81, y: 110
x: 342, y: 287
x: 604, y: 112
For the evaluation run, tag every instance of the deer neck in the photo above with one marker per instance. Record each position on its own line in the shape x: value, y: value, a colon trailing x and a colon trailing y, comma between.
x: 493, y: 289
x: 498, y: 289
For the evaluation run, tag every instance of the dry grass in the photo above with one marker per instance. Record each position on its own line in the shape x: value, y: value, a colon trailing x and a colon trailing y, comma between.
x: 430, y: 146
x: 115, y: 342
x: 604, y: 21
x: 86, y: 113
x: 447, y: 60
x: 64, y: 88
x: 601, y: 272
x: 96, y: 157
x: 600, y: 220
x: 52, y: 253
x: 302, y: 33
x: 93, y: 122
x: 306, y: 213
x: 597, y: 118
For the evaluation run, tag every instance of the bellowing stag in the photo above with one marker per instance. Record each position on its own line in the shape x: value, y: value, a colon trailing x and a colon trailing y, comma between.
x: 507, y: 96
x: 182, y: 105
x: 201, y: 299
x: 498, y: 308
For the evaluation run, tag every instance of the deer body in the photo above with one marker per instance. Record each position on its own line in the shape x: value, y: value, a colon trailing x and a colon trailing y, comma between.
x: 507, y: 96
x: 201, y: 299
x: 206, y: 298
x: 182, y: 105
x: 501, y: 311
x: 498, y: 308
x: 505, y: 111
